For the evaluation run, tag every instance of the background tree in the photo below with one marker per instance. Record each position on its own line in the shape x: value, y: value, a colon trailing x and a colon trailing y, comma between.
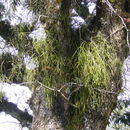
x: 78, y: 76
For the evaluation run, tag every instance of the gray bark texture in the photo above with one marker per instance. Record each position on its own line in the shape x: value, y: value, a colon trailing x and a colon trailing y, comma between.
x: 106, y: 22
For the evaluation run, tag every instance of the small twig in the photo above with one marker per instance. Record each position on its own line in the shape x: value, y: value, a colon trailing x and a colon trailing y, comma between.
x: 45, y: 86
x: 104, y: 91
x: 125, y: 26
x: 75, y: 90
x: 116, y: 31
x: 44, y: 16
x: 70, y: 84
x: 63, y: 86
x: 59, y: 91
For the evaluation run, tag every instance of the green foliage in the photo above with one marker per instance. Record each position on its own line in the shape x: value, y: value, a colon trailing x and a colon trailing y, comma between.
x: 94, y: 62
x: 11, y: 69
x: 6, y: 64
x: 113, y: 1
x: 50, y: 66
x: 17, y: 72
x: 1, y: 96
x: 4, y: 78
x: 20, y: 39
x: 92, y: 65
x: 42, y: 6
x: 30, y: 77
x: 94, y: 68
x: 76, y: 122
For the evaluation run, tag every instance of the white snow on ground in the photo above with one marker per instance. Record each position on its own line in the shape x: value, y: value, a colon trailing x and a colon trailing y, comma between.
x: 21, y: 14
x: 17, y: 94
x: 6, y: 48
x: 7, y: 122
x: 39, y: 32
x: 77, y: 21
x: 29, y: 62
x: 92, y: 8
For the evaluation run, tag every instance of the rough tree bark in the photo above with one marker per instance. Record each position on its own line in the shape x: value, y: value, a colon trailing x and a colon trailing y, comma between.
x: 112, y: 27
x: 58, y: 27
x: 106, y: 22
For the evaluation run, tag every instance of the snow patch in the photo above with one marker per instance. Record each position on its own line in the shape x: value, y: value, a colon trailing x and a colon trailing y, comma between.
x: 17, y: 94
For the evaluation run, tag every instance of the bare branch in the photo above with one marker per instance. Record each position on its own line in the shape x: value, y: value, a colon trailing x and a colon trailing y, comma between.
x: 105, y: 91
x: 59, y: 91
x: 122, y: 20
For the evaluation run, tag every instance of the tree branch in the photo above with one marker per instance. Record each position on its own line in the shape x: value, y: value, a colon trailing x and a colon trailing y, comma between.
x: 122, y: 20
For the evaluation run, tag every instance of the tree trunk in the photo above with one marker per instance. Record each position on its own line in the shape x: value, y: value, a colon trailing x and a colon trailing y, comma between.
x: 45, y: 118
x: 58, y: 36
x: 58, y: 27
x: 112, y: 27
